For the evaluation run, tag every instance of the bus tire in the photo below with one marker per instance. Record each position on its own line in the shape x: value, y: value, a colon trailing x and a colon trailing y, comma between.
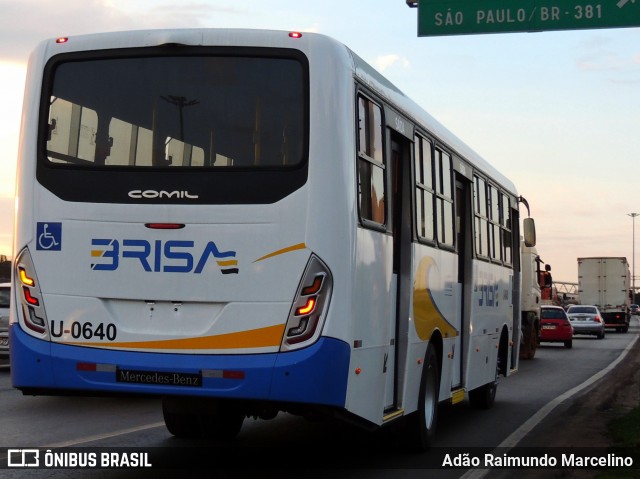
x: 178, y: 422
x: 421, y: 425
x: 484, y: 396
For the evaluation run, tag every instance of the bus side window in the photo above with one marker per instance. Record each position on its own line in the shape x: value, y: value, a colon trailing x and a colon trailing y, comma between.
x: 371, y: 165
x: 495, y: 248
x: 505, y: 224
x: 444, y: 198
x: 481, y: 222
x: 423, y: 157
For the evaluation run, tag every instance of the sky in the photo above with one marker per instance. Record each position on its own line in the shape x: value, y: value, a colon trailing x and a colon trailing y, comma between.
x: 556, y: 112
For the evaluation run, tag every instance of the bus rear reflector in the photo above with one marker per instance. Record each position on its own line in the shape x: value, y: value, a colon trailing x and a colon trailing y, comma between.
x: 96, y: 367
x: 86, y: 366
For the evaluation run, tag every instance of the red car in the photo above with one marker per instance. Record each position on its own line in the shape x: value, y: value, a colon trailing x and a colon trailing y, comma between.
x: 555, y: 326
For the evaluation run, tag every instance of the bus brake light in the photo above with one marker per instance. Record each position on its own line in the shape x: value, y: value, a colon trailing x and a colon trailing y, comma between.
x: 28, y: 298
x: 295, y: 35
x: 165, y: 226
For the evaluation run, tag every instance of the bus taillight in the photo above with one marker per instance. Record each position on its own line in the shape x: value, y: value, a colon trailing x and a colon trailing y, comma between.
x: 31, y: 298
x: 309, y: 307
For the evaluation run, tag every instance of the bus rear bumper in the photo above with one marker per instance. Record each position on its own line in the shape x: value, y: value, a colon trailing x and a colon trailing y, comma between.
x: 314, y: 375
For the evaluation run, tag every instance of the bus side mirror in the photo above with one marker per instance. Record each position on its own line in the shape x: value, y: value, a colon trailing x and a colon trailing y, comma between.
x: 529, y: 227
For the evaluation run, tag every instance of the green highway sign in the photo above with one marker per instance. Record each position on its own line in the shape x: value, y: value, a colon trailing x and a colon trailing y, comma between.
x: 461, y: 17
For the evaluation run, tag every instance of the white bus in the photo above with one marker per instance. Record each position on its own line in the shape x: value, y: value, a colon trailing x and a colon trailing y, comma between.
x: 246, y: 222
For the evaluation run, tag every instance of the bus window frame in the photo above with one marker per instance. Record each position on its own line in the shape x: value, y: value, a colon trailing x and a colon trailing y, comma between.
x: 500, y: 223
x: 434, y: 191
x: 231, y: 185
x: 360, y: 155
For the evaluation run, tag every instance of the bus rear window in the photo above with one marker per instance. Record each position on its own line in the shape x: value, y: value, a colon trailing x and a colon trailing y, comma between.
x: 176, y: 112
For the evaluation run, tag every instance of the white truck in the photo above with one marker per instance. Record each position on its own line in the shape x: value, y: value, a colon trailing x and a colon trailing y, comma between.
x: 605, y: 283
x: 530, y: 302
x: 536, y: 291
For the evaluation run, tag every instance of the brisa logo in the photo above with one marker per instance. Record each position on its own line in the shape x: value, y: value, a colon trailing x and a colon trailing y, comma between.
x: 153, y: 194
x: 159, y: 256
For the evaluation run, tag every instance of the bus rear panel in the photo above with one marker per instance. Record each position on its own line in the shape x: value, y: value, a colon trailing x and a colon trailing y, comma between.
x: 163, y: 245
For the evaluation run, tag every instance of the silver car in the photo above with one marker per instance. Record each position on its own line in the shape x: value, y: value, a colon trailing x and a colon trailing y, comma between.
x: 5, y: 294
x: 586, y: 320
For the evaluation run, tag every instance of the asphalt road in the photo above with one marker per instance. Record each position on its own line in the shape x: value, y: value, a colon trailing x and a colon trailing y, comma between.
x: 289, y: 444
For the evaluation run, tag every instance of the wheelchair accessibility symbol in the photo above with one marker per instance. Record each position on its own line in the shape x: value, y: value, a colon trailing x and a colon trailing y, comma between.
x: 49, y: 236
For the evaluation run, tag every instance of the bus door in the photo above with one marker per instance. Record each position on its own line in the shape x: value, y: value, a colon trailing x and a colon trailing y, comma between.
x: 400, y: 174
x: 464, y: 249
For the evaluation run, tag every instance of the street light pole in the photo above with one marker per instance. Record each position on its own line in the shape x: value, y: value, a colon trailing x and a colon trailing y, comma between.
x: 633, y: 258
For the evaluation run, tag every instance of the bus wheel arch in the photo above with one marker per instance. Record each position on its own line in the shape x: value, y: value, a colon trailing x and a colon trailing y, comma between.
x: 503, y: 353
x: 484, y: 397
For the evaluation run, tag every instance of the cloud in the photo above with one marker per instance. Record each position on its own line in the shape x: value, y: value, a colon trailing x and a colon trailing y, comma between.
x: 24, y: 23
x: 600, y: 55
x: 385, y: 62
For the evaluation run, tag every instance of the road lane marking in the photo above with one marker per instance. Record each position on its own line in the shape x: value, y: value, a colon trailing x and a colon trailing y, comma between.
x: 519, y: 434
x: 108, y: 435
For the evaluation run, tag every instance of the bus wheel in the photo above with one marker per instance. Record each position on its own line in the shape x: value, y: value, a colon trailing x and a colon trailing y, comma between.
x: 221, y: 421
x: 178, y: 422
x: 201, y: 417
x: 484, y: 396
x: 421, y: 425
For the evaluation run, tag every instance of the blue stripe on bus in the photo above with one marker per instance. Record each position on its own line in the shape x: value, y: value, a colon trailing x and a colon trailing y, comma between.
x: 314, y: 375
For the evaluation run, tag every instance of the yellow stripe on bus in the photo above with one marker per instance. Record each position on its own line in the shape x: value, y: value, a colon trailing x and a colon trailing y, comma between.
x: 294, y: 247
x: 427, y: 316
x: 254, y: 338
x: 231, y: 262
